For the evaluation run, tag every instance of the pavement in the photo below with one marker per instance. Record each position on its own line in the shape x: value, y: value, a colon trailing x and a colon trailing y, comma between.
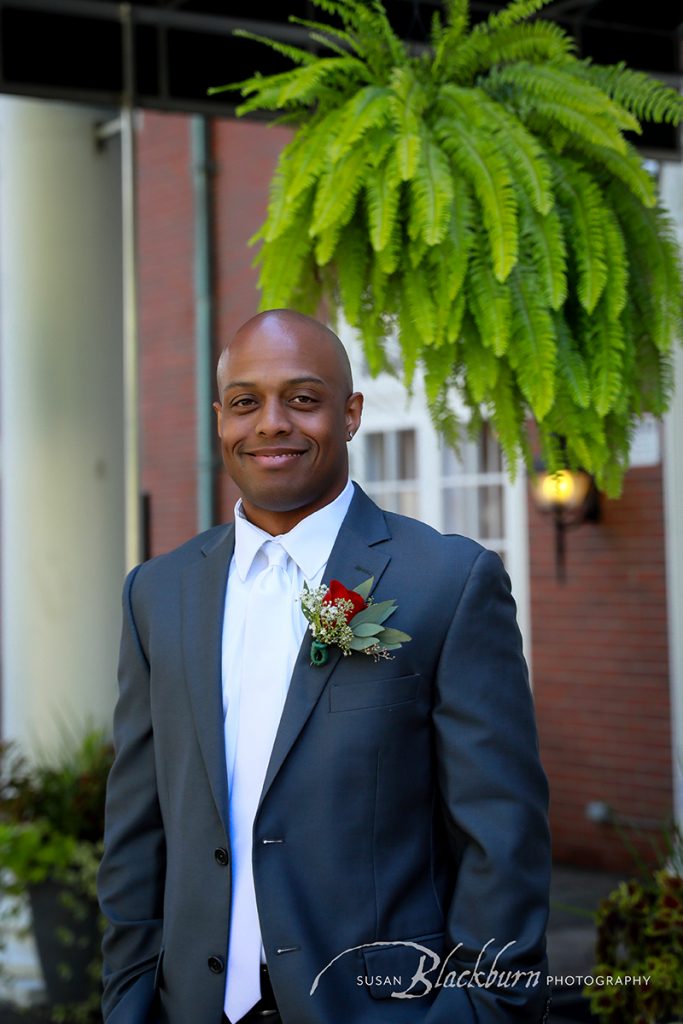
x: 571, y: 941
x: 574, y: 896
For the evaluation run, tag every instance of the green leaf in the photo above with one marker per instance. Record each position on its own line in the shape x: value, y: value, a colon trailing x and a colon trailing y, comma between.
x: 375, y: 613
x: 393, y: 636
x: 361, y: 643
x: 365, y: 628
x: 364, y: 588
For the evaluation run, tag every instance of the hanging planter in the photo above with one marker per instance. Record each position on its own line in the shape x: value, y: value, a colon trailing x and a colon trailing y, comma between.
x: 481, y: 201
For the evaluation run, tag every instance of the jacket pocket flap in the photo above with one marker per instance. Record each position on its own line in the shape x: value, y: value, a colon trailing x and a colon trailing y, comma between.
x: 374, y: 693
x: 396, y: 966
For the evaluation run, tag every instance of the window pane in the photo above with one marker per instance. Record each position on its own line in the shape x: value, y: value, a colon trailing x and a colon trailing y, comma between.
x: 474, y: 511
x: 407, y: 460
x: 374, y: 457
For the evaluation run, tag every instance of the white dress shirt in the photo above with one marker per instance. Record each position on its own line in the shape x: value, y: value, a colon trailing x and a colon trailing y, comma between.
x: 308, y: 545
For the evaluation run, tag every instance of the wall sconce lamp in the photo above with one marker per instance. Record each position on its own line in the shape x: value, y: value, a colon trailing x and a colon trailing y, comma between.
x: 571, y: 497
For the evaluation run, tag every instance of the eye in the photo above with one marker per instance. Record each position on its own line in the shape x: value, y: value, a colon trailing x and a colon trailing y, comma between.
x: 304, y: 400
x: 244, y: 402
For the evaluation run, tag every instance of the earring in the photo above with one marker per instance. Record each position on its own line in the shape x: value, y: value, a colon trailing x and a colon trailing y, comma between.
x: 350, y: 435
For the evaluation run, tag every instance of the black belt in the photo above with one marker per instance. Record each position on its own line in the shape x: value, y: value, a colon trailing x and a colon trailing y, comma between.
x: 265, y: 1009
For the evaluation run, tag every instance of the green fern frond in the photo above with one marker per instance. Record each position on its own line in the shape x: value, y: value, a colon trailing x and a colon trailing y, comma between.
x: 557, y: 86
x: 655, y: 281
x: 337, y: 189
x: 507, y: 410
x: 522, y: 150
x: 324, y: 33
x: 420, y: 303
x: 367, y: 109
x: 303, y: 84
x: 515, y: 12
x: 572, y: 365
x: 605, y: 357
x: 543, y: 240
x: 459, y: 238
x: 489, y: 303
x: 438, y: 369
x: 452, y: 321
x: 539, y: 41
x: 379, y: 44
x: 407, y: 103
x: 282, y: 265
x: 547, y: 116
x: 532, y: 352
x: 627, y: 167
x: 485, y: 168
x: 584, y: 202
x: 352, y: 259
x: 482, y: 365
x: 293, y: 53
x: 647, y: 98
x: 389, y: 257
x: 616, y: 289
x: 431, y: 192
x: 383, y: 192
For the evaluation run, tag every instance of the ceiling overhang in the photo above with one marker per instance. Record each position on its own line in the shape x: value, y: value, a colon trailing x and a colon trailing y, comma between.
x: 76, y: 49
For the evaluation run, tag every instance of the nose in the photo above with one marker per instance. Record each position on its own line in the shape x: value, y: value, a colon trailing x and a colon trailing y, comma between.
x: 273, y: 418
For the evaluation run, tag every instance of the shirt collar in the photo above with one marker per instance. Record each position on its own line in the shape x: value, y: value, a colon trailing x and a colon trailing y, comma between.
x: 309, y: 543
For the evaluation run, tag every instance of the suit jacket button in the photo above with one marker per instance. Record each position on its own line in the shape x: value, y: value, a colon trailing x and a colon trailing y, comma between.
x: 221, y: 856
x: 216, y: 964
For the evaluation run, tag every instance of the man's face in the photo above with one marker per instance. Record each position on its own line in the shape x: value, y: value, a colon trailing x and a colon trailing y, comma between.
x: 284, y: 420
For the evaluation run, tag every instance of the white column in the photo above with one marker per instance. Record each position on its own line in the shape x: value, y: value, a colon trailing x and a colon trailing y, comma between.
x: 61, y: 419
x: 672, y: 196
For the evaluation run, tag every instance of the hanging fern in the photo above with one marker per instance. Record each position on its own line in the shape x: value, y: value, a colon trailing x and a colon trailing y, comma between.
x: 481, y: 201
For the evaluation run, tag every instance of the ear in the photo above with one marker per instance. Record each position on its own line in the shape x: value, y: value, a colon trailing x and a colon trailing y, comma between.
x: 218, y: 409
x: 354, y: 411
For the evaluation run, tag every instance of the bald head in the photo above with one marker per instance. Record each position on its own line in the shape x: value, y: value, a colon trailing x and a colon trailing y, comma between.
x: 290, y: 325
x: 285, y: 415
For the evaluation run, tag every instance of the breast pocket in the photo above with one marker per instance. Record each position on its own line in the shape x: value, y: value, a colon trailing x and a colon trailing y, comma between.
x: 375, y: 693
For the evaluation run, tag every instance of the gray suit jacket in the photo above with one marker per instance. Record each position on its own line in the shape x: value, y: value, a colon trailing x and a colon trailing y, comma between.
x: 405, y: 798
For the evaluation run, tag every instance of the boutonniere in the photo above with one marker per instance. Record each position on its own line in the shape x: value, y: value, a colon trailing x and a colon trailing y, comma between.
x: 350, y: 620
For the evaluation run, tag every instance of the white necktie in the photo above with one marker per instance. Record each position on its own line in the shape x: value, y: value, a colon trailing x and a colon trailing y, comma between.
x: 263, y: 687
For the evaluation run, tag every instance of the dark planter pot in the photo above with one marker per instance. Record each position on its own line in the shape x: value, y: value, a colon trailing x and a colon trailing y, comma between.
x: 64, y: 965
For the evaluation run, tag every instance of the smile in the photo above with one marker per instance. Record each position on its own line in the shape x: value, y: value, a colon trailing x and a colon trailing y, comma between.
x: 275, y: 458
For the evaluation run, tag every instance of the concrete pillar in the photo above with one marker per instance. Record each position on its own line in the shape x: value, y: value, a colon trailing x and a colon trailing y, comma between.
x: 61, y: 419
x: 672, y: 197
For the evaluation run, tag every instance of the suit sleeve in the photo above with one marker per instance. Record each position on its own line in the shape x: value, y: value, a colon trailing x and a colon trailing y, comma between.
x: 494, y: 800
x: 132, y: 872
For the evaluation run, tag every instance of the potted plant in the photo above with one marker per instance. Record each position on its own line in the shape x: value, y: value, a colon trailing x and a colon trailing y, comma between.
x: 51, y: 828
x: 479, y: 197
x: 640, y: 936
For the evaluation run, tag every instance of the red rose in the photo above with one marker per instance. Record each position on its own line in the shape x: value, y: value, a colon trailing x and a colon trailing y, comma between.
x: 337, y: 590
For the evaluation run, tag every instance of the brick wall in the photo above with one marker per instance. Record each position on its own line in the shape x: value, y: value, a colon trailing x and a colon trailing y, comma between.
x: 244, y: 156
x: 166, y: 306
x: 601, y: 673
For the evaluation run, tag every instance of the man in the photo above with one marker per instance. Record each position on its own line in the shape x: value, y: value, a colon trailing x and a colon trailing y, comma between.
x: 353, y: 842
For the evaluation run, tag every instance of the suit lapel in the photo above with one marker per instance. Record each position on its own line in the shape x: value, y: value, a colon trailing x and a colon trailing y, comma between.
x: 203, y: 600
x: 357, y: 554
